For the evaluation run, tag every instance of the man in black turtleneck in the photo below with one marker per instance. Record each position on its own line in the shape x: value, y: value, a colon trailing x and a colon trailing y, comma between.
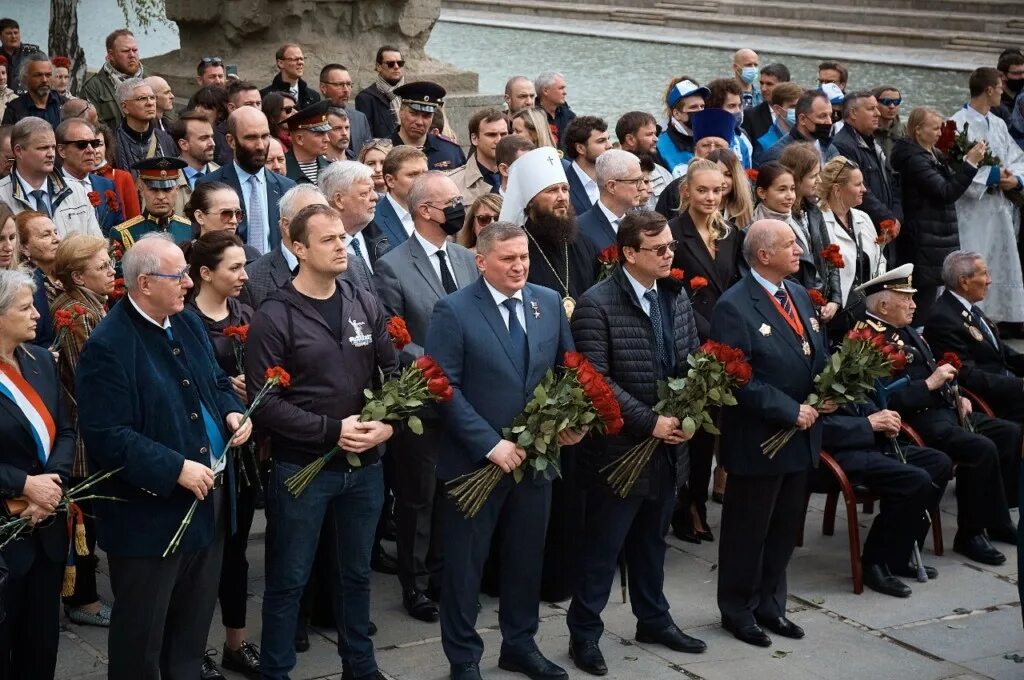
x: 137, y: 138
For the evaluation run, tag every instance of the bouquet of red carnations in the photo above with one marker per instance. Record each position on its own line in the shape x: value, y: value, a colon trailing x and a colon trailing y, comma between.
x: 715, y: 370
x: 576, y: 399
x: 239, y: 336
x: 63, y: 320
x: 848, y: 377
x: 608, y: 259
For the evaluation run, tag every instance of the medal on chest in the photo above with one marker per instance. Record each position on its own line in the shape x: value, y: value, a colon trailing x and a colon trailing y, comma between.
x: 569, y: 305
x: 806, y: 346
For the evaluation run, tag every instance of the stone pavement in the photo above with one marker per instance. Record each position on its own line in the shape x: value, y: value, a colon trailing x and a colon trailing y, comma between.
x: 963, y: 625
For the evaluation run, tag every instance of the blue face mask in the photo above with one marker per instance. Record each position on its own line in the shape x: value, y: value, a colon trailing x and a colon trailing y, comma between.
x: 791, y: 116
x: 748, y: 74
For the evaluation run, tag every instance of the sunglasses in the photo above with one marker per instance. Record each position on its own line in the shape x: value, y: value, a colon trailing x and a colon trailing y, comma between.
x: 81, y: 144
x: 663, y: 249
x: 393, y: 64
x: 890, y: 102
x: 211, y: 61
x: 484, y: 220
x: 227, y: 213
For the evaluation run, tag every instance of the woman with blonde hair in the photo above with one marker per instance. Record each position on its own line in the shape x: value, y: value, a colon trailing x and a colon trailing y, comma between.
x: 86, y: 274
x: 737, y: 199
x: 484, y: 211
x: 372, y: 155
x: 532, y: 124
x: 8, y: 238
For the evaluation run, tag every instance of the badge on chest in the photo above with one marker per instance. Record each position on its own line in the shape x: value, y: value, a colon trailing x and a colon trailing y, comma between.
x: 359, y: 339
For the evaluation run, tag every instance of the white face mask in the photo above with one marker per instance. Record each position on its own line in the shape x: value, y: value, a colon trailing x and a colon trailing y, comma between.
x: 680, y: 128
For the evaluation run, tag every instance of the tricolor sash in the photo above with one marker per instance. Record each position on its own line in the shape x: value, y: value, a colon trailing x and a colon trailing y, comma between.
x: 14, y: 387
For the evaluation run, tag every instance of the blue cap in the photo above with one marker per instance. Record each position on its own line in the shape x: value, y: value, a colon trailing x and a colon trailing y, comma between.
x: 684, y: 89
x: 713, y: 123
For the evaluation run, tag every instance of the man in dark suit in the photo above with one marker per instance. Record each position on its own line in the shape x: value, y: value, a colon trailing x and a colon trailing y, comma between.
x: 248, y: 136
x: 378, y: 100
x: 495, y: 341
x: 980, y: 446
x: 620, y: 181
x: 410, y: 280
x: 636, y: 327
x: 586, y: 138
x: 166, y: 415
x: 392, y: 218
x: 772, y: 320
x: 420, y: 101
x: 336, y: 87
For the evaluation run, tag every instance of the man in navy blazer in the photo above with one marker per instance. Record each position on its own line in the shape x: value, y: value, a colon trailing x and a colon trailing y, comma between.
x: 166, y: 413
x: 584, y: 141
x: 619, y: 179
x: 775, y: 325
x: 248, y: 135
x: 495, y: 340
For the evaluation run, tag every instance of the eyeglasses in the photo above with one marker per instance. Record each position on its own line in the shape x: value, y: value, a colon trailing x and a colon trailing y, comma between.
x: 887, y: 101
x: 638, y: 182
x: 450, y: 204
x: 81, y: 144
x: 179, y: 277
x: 344, y: 83
x: 663, y: 249
x: 297, y: 60
x: 107, y: 266
x: 484, y: 220
x: 227, y: 213
x: 144, y: 99
x: 392, y: 64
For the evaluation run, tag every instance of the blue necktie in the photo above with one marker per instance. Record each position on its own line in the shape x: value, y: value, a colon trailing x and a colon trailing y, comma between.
x: 41, y: 205
x: 213, y: 433
x: 657, y: 327
x: 257, y: 234
x: 783, y: 297
x: 518, y: 336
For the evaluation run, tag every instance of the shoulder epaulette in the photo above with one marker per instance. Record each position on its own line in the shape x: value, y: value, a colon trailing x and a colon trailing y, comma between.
x: 179, y: 218
x: 124, y: 230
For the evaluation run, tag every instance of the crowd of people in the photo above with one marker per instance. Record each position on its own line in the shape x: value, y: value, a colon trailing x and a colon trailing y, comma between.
x: 157, y: 263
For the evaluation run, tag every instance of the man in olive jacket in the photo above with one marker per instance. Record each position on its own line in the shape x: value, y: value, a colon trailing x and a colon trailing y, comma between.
x: 636, y: 327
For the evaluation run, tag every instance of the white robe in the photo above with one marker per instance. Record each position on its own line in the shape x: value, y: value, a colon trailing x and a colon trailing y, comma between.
x: 988, y: 223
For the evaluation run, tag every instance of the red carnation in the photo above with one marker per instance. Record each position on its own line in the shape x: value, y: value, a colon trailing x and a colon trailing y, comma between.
x: 119, y: 289
x: 279, y: 375
x: 78, y: 309
x: 744, y: 373
x: 609, y: 255
x: 886, y: 231
x: 113, y: 203
x: 240, y: 332
x: 677, y: 274
x: 952, y: 359
x: 947, y: 137
x: 698, y: 282
x: 399, y: 332
x: 433, y: 372
x: 833, y: 256
x: 816, y: 297
x: 63, y: 318
x: 752, y: 175
x: 94, y: 199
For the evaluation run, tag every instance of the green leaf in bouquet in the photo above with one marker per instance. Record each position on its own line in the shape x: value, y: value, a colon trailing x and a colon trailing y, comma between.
x: 688, y: 426
x: 517, y: 474
x: 541, y: 445
x: 587, y: 417
x: 415, y: 424
x: 368, y: 393
x: 548, y: 427
x: 839, y: 387
x: 715, y: 394
x: 728, y: 399
x: 676, y: 384
x: 518, y: 428
x: 539, y: 393
x: 710, y: 428
x: 353, y: 459
x: 389, y: 399
x: 555, y: 464
x: 414, y: 403
x: 540, y: 463
x: 525, y: 439
x: 812, y: 399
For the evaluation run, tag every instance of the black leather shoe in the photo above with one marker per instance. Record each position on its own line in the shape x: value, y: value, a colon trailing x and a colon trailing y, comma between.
x: 244, y: 660
x: 419, y: 606
x: 979, y: 549
x: 301, y: 638
x: 531, y: 664
x: 880, y: 579
x: 466, y: 671
x: 682, y: 529
x: 752, y: 634
x: 1004, y: 534
x: 383, y: 563
x: 588, y: 657
x: 781, y: 626
x: 371, y: 629
x: 910, y: 571
x: 209, y: 670
x: 673, y: 638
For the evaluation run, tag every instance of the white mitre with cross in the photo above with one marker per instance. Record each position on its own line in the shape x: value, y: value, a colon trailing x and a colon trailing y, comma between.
x: 530, y: 174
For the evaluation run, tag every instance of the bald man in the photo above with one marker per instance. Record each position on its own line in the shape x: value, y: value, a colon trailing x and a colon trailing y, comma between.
x: 164, y: 102
x: 745, y: 70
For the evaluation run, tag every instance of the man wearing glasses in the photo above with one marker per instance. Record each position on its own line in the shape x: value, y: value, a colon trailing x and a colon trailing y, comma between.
x: 78, y: 144
x: 291, y: 64
x: 890, y: 127
x: 138, y: 136
x: 336, y: 87
x: 620, y: 181
x: 158, y: 184
x: 379, y: 102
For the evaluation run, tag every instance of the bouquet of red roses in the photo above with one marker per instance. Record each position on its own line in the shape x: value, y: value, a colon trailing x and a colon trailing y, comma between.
x: 609, y: 260
x: 579, y: 397
x: 715, y: 370
x: 848, y: 377
x: 955, y: 144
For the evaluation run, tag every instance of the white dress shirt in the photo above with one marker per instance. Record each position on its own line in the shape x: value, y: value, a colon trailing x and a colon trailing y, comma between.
x: 404, y: 215
x: 593, y: 192
x: 363, y: 248
x: 431, y: 250
x: 610, y: 216
x: 71, y: 179
x: 640, y: 291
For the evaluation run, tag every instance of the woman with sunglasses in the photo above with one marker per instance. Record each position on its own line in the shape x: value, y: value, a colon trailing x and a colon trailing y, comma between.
x: 86, y: 274
x: 276, y: 107
x: 484, y: 210
x: 214, y: 206
x: 890, y: 127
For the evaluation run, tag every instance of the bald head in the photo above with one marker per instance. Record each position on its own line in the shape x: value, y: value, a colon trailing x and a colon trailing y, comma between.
x: 770, y: 247
x: 162, y: 92
x: 249, y: 138
x: 744, y: 66
x: 245, y: 116
x: 744, y: 57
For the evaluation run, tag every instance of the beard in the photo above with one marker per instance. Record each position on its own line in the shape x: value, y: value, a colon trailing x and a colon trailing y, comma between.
x: 550, y: 229
x: 250, y: 160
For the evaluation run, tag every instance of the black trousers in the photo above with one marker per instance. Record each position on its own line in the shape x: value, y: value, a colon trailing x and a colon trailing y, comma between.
x: 1012, y: 410
x: 417, y: 507
x: 30, y: 632
x: 761, y: 519
x: 85, y: 566
x: 233, y: 592
x: 979, y: 455
x: 906, y: 491
x: 695, y: 490
x: 164, y: 607
x: 521, y: 511
x: 638, y: 526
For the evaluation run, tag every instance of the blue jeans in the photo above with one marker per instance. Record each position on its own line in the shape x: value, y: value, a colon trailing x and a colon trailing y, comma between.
x: 354, y: 500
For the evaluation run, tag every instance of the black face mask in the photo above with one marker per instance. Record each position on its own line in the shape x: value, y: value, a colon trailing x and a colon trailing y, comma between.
x: 454, y: 219
x: 1015, y: 85
x: 822, y: 131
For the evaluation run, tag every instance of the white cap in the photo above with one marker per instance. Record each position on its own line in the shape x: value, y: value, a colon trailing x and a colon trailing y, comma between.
x: 530, y: 174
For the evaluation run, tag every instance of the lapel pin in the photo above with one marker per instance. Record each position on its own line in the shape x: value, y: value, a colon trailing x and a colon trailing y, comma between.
x: 815, y: 325
x: 765, y: 330
x: 536, y: 309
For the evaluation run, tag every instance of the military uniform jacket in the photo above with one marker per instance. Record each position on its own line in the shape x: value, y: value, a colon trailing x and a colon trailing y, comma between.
x: 294, y: 172
x: 127, y: 233
x: 441, y: 154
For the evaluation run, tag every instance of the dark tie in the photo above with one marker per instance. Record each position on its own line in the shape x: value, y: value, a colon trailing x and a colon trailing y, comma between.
x: 783, y: 297
x: 657, y: 327
x: 41, y: 206
x: 360, y: 269
x: 979, y: 321
x: 447, y: 280
x: 518, y: 336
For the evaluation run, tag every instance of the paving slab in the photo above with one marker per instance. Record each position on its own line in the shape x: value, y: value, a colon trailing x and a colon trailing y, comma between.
x: 965, y: 638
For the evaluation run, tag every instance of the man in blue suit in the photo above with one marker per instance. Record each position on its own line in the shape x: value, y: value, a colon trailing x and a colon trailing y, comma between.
x: 495, y: 341
x: 258, y: 189
x: 772, y: 320
x: 584, y: 141
x: 620, y: 181
x: 392, y: 219
x: 165, y: 416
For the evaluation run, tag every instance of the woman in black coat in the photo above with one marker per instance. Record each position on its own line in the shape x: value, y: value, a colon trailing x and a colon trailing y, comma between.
x: 710, y: 248
x: 931, y: 187
x: 35, y: 462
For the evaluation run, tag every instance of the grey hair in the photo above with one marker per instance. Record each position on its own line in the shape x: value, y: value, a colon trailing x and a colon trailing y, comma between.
x: 339, y: 177
x: 874, y: 301
x: 546, y: 79
x: 495, y: 233
x: 30, y: 58
x: 758, y: 237
x: 614, y: 164
x: 513, y: 81
x: 288, y: 206
x: 958, y: 264
x: 337, y: 111
x: 419, y: 192
x: 26, y: 128
x: 11, y: 282
x: 125, y: 90
x: 137, y: 261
